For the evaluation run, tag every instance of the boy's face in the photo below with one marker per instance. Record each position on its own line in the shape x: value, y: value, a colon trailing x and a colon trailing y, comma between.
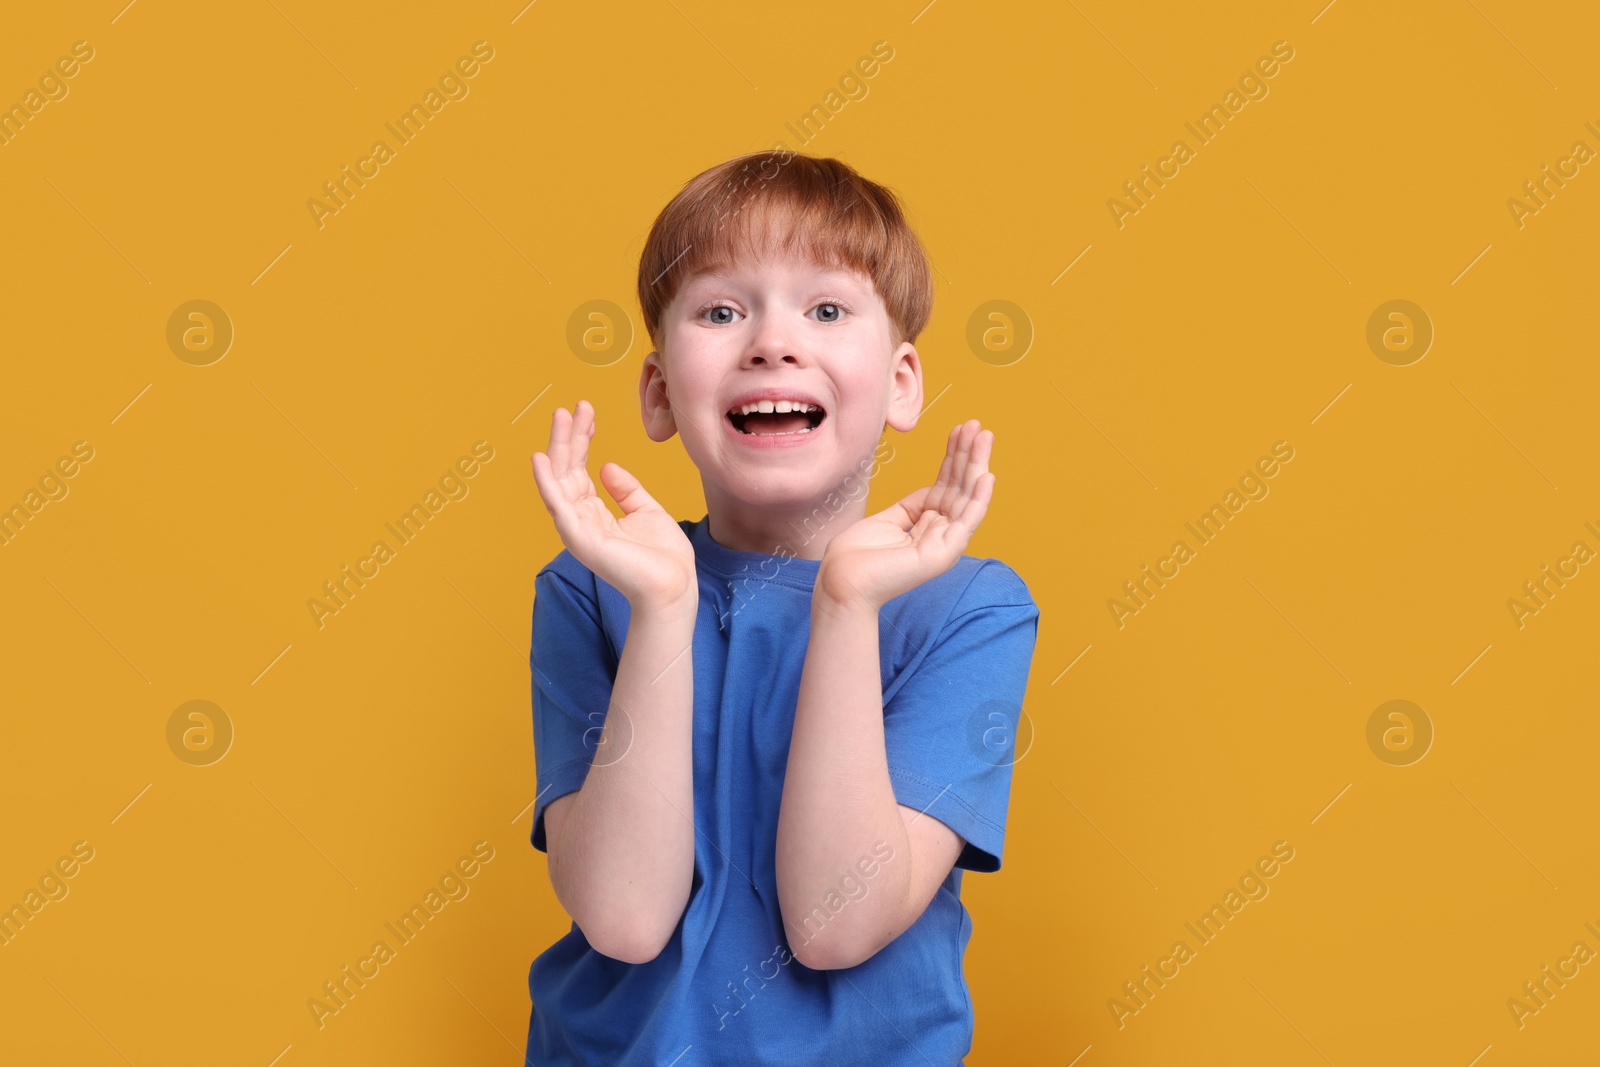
x: 770, y: 328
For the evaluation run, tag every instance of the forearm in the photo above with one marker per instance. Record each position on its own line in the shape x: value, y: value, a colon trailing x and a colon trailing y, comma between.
x: 625, y: 859
x: 837, y: 799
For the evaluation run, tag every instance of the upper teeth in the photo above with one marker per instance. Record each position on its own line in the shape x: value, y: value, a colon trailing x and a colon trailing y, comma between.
x: 770, y: 406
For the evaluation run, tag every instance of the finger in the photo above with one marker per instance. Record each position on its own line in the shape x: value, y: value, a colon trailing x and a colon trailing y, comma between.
x: 545, y: 481
x: 927, y: 521
x: 556, y: 500
x: 559, y: 494
x: 625, y: 489
x: 568, y: 479
x: 905, y: 511
x: 974, y: 470
x: 963, y: 448
x: 946, y: 471
x: 969, y: 435
x: 947, y: 467
x: 976, y: 506
x: 560, y: 432
x: 582, y: 434
x: 977, y: 463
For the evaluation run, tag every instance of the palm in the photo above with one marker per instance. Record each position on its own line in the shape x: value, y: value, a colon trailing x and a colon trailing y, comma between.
x: 920, y: 537
x: 644, y: 554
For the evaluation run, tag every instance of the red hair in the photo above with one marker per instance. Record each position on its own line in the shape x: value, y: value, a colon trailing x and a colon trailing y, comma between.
x: 835, y: 216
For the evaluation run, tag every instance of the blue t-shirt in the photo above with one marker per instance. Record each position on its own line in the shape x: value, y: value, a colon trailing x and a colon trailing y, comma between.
x: 955, y: 655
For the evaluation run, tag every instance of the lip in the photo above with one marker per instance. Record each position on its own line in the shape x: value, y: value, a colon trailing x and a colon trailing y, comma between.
x: 752, y: 395
x: 770, y: 441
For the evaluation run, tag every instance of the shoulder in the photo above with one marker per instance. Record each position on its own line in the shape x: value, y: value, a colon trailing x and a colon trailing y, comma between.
x: 575, y: 612
x: 565, y: 578
x: 993, y: 584
x: 971, y: 605
x: 566, y: 569
x: 975, y: 583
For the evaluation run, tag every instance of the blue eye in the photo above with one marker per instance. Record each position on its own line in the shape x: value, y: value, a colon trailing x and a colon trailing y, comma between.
x: 717, y: 317
x: 823, y: 312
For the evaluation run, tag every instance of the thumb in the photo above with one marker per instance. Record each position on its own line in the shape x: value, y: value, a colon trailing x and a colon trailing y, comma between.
x: 905, y: 511
x: 625, y: 489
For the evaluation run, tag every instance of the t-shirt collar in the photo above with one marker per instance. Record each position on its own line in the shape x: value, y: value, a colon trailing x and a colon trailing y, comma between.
x: 733, y: 562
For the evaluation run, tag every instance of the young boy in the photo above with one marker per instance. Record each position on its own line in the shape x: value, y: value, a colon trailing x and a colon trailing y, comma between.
x: 768, y: 742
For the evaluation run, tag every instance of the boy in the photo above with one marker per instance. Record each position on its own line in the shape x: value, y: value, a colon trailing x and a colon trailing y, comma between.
x: 769, y: 742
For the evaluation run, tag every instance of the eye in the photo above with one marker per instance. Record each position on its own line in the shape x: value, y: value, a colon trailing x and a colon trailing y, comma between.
x: 719, y: 314
x: 830, y: 312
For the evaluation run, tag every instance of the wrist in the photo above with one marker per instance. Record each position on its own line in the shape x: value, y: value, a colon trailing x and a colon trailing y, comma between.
x: 679, y: 609
x: 835, y: 595
x: 835, y: 607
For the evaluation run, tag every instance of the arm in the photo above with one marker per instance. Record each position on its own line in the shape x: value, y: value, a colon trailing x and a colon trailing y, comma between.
x: 837, y: 799
x: 838, y: 803
x: 621, y: 848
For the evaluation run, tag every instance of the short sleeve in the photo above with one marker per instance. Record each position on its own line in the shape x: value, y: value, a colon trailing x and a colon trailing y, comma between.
x: 951, y: 728
x: 573, y: 668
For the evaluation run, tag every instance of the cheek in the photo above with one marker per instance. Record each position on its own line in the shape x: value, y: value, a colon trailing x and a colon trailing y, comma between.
x: 684, y: 370
x: 864, y: 384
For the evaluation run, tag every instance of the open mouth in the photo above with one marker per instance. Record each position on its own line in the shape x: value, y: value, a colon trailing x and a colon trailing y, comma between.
x: 767, y: 418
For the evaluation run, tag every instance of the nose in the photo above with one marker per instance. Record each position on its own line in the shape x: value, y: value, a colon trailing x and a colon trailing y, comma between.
x: 773, y: 342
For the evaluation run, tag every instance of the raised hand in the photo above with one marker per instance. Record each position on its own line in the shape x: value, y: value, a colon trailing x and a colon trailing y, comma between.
x: 645, y: 554
x: 919, y: 538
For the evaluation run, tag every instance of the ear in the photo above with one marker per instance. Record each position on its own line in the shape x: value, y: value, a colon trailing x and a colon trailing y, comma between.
x: 654, y: 405
x: 905, y: 388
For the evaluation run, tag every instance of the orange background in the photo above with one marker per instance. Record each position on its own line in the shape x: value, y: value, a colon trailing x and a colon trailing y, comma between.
x: 431, y: 312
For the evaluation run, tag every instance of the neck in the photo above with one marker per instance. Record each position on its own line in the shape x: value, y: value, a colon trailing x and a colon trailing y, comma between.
x: 801, y: 531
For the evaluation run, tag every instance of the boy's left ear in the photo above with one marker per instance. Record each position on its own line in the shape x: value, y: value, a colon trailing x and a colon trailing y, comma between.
x: 905, y: 388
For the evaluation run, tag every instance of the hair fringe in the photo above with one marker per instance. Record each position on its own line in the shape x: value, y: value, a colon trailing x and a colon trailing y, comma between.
x: 774, y: 202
